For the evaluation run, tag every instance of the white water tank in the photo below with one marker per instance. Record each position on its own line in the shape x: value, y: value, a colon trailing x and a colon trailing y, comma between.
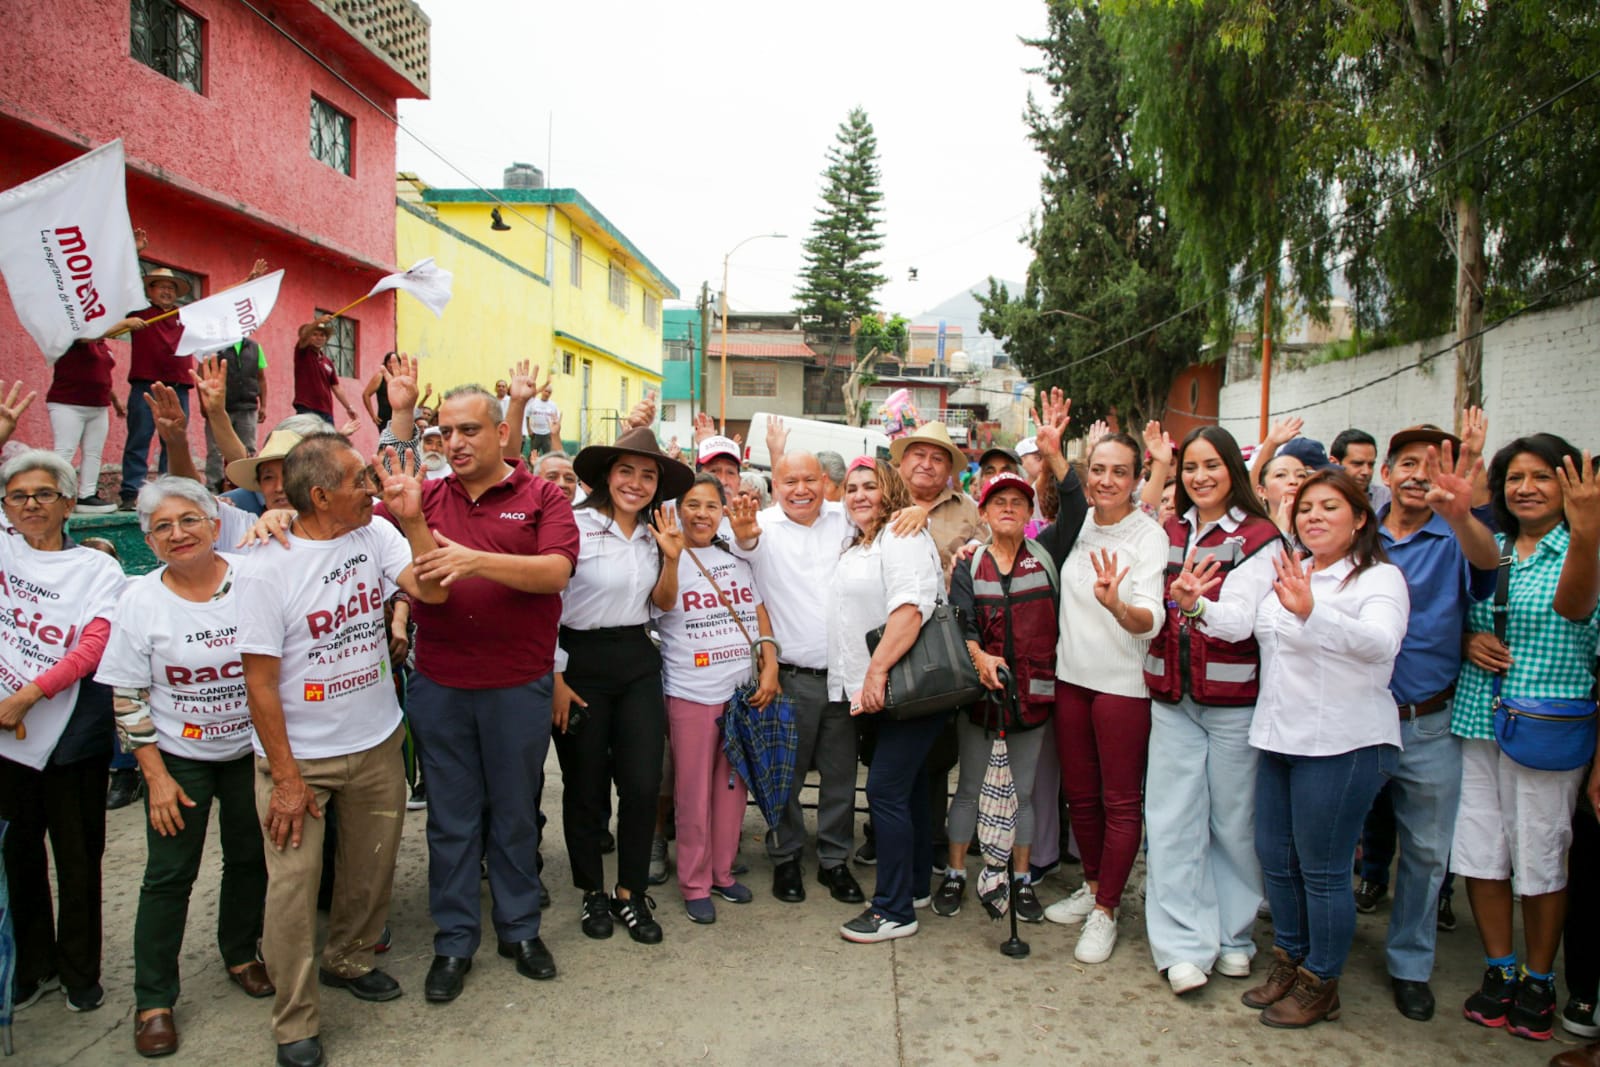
x: 960, y: 362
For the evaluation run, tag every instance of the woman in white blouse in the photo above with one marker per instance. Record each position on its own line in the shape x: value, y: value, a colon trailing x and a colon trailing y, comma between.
x: 893, y: 582
x: 1325, y: 724
x: 608, y: 709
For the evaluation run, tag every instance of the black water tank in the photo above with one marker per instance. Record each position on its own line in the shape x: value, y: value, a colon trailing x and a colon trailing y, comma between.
x: 523, y: 176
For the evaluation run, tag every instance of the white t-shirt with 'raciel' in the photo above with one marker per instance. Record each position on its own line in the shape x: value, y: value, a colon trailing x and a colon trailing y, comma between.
x: 185, y: 653
x: 318, y: 607
x: 704, y: 657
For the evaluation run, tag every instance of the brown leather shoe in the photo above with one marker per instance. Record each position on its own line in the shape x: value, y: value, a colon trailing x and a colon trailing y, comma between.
x: 1280, y: 979
x: 155, y: 1036
x: 1587, y: 1056
x: 1311, y: 1000
x: 253, y: 980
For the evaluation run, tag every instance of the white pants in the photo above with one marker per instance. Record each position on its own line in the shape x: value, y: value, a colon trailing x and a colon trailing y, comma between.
x: 1514, y: 822
x: 74, y: 424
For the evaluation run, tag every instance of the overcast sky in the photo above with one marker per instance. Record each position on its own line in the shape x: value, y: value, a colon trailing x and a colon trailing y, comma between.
x: 693, y: 126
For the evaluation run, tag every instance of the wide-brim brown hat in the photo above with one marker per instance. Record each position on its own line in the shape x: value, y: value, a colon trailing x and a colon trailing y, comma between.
x: 1427, y: 433
x: 929, y: 433
x: 593, y: 462
x: 242, y: 472
x: 163, y: 274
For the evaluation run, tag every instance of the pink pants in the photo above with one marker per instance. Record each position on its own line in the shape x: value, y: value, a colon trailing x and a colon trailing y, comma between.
x: 709, y: 799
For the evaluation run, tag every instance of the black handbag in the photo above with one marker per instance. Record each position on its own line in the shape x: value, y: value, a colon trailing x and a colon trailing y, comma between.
x: 936, y: 674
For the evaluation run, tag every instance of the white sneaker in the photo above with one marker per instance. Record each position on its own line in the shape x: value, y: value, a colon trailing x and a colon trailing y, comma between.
x: 1234, y: 965
x: 1099, y: 937
x: 921, y: 902
x: 1185, y: 978
x: 1073, y: 909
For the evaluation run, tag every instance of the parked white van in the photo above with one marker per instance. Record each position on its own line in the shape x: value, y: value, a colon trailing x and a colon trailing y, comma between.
x: 809, y: 435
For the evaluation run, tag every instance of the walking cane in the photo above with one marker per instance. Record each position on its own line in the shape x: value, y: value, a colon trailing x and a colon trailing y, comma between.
x: 1015, y: 947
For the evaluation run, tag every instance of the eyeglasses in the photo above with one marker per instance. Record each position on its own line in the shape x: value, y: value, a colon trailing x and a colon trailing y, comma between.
x: 44, y: 498
x: 188, y: 524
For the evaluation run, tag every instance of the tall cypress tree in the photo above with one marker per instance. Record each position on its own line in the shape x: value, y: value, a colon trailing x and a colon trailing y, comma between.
x: 840, y: 279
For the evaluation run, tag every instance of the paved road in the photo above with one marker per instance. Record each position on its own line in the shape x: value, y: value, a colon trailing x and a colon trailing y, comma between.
x: 770, y: 983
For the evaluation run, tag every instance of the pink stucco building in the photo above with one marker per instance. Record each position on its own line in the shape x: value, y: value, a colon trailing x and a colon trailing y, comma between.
x: 246, y: 135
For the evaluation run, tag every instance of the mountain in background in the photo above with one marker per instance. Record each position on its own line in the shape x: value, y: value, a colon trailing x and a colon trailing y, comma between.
x: 961, y: 312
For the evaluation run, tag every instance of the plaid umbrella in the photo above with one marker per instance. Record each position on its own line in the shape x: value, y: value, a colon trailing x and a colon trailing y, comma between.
x: 8, y: 953
x: 761, y: 746
x: 997, y: 812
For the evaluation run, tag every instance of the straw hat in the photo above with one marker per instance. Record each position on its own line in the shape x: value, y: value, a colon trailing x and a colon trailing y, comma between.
x: 242, y: 472
x: 593, y: 462
x: 929, y: 433
x: 163, y: 274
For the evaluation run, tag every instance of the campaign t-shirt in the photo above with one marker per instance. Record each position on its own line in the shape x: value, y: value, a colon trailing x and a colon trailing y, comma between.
x: 704, y: 656
x: 314, y: 378
x: 82, y: 376
x: 318, y: 607
x: 185, y: 653
x: 540, y: 414
x: 155, y: 357
x: 46, y: 599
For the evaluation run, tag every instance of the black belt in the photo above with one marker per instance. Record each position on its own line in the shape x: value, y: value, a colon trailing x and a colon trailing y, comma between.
x: 815, y: 672
x: 1438, y: 702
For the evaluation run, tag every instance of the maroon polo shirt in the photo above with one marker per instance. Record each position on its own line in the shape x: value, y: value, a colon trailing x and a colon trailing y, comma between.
x: 82, y: 376
x: 155, y: 349
x: 313, y: 379
x: 488, y: 635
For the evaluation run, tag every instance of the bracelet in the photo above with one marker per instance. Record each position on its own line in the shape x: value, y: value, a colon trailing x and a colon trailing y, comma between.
x: 1198, y: 610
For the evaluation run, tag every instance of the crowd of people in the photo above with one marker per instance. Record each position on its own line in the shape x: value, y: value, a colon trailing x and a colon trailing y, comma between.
x: 1267, y: 675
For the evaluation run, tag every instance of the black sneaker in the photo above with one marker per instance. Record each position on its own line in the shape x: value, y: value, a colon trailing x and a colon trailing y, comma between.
x: 867, y: 854
x: 125, y: 788
x: 597, y: 915
x: 1533, y: 1009
x: 947, y: 901
x: 94, y: 505
x: 29, y: 995
x: 1489, y: 1005
x: 871, y: 927
x: 636, y: 914
x: 1026, y: 901
x: 1447, y: 916
x: 92, y: 996
x: 1369, y: 895
x: 419, y: 797
x: 1578, y: 1018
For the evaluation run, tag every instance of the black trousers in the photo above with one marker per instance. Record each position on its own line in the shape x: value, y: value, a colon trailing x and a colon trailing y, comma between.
x: 622, y: 737
x: 1581, y: 939
x: 67, y: 803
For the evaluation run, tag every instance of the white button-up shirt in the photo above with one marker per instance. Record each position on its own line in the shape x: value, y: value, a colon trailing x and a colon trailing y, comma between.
x: 871, y: 582
x: 612, y: 582
x: 1324, y: 681
x: 794, y: 568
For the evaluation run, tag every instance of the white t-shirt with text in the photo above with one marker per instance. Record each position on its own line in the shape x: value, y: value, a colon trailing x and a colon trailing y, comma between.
x: 704, y: 656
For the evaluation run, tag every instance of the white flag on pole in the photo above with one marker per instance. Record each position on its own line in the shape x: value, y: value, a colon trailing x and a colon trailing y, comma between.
x: 66, y: 250
x: 229, y: 316
x: 426, y: 281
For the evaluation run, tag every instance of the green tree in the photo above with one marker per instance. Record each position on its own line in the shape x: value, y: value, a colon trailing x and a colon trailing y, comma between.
x: 840, y: 279
x: 1103, y: 249
x: 875, y: 337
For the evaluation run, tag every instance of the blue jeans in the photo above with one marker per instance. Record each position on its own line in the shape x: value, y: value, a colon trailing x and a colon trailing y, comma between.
x: 1203, y: 885
x: 1425, y: 789
x: 1309, y: 811
x: 141, y: 429
x: 897, y: 798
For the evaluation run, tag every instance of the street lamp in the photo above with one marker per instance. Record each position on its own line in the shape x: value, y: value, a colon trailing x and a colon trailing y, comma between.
x: 722, y: 402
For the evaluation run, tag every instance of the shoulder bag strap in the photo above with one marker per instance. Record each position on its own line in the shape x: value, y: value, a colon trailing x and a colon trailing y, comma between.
x: 1501, y: 608
x: 721, y: 599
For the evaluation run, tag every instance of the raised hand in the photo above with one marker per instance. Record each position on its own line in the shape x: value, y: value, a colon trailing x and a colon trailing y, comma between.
x: 668, y: 534
x: 1474, y: 432
x: 523, y: 380
x: 351, y: 427
x: 211, y: 383
x: 742, y: 511
x: 644, y: 412
x: 402, y: 382
x: 1098, y: 429
x: 399, y: 482
x: 1450, y: 482
x: 140, y: 239
x: 1107, y: 579
x: 1284, y: 430
x: 13, y: 402
x: 171, y: 420
x: 1157, y: 443
x: 777, y: 438
x: 1195, y: 581
x: 1580, y: 497
x: 257, y: 269
x: 1293, y: 585
x: 704, y: 427
x: 1055, y: 415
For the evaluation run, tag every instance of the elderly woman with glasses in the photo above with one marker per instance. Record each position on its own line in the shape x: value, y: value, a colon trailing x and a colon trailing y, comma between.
x: 181, y: 710
x: 55, y: 729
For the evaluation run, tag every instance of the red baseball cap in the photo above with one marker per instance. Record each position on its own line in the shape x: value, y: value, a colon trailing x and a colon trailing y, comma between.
x: 1006, y: 480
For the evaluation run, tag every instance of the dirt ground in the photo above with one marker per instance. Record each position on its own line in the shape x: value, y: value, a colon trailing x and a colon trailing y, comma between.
x: 769, y: 983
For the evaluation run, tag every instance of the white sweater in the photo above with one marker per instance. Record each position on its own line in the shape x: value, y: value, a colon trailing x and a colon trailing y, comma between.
x: 1094, y: 651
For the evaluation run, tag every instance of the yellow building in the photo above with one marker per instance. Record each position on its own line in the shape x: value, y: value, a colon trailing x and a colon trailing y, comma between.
x: 540, y: 274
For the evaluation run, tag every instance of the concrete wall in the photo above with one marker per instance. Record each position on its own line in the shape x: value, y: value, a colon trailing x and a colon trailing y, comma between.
x: 1539, y: 374
x: 791, y: 389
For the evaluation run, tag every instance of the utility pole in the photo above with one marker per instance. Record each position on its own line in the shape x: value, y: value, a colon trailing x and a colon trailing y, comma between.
x: 705, y: 301
x: 1266, y: 354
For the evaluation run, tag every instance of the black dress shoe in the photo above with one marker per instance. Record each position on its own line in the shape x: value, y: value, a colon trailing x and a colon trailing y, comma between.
x: 306, y: 1052
x: 125, y: 787
x: 533, y: 959
x: 374, y: 985
x: 1413, y: 999
x: 544, y: 897
x: 597, y: 915
x: 1369, y: 895
x: 445, y: 978
x: 842, y: 884
x: 789, y: 882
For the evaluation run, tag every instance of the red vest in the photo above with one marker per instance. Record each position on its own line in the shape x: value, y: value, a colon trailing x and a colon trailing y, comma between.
x: 1224, y: 674
x: 1029, y: 614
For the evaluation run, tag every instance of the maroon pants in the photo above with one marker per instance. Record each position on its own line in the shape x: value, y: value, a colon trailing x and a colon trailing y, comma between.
x: 1103, y: 741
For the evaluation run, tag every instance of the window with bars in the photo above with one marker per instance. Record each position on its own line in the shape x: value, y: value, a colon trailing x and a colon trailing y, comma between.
x: 669, y: 413
x: 575, y: 268
x: 568, y: 362
x: 677, y: 351
x: 330, y: 135
x: 753, y: 381
x: 619, y: 287
x: 168, y: 39
x: 622, y: 396
x: 194, y: 293
x: 341, y: 346
x: 652, y: 311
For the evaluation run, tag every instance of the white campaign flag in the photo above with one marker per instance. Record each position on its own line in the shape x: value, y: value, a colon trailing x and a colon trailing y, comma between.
x: 67, y: 253
x: 426, y: 281
x: 227, y: 317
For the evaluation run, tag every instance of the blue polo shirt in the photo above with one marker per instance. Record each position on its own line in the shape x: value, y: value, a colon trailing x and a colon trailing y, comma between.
x: 1443, y: 585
